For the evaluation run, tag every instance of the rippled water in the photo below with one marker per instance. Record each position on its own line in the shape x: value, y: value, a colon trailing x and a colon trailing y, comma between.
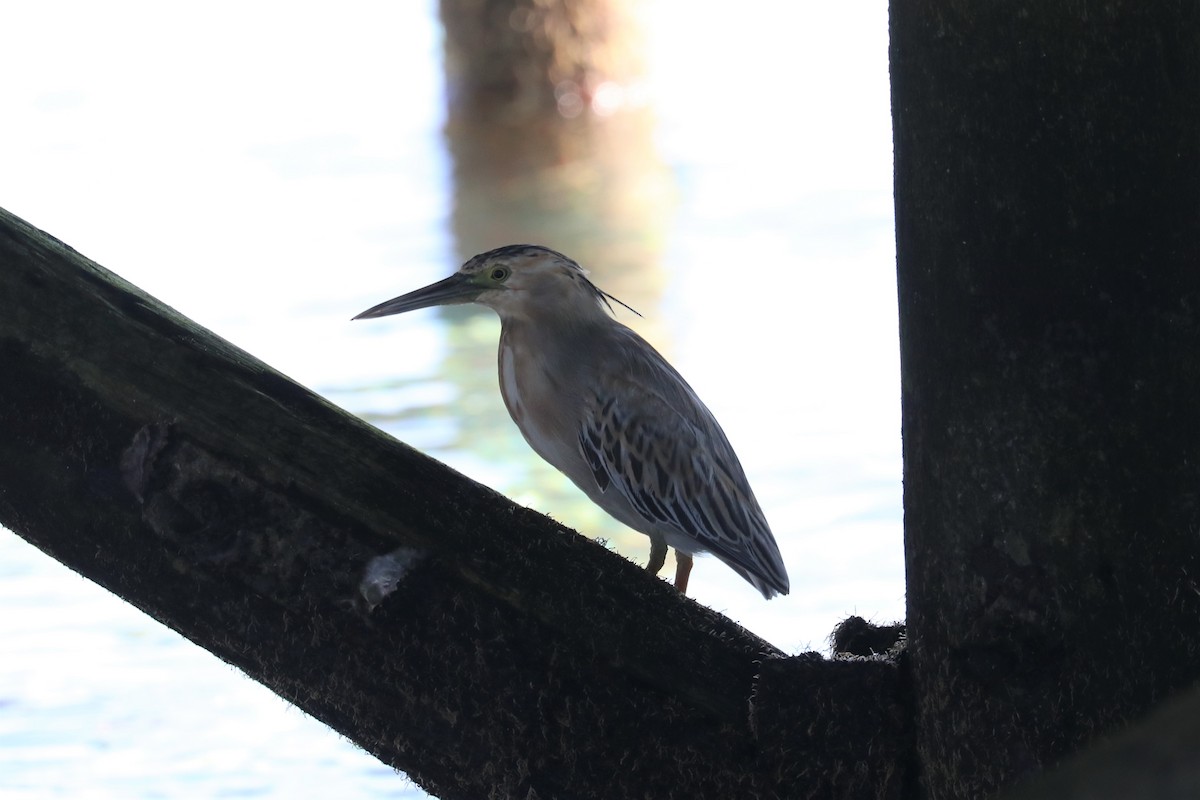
x: 270, y: 171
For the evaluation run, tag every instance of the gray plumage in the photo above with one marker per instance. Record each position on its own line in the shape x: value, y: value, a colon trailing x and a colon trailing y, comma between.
x: 600, y: 404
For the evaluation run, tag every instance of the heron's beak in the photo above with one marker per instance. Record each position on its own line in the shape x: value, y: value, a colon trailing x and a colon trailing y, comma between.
x: 458, y: 288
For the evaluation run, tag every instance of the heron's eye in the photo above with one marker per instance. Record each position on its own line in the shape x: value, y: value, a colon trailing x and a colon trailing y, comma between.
x: 499, y: 274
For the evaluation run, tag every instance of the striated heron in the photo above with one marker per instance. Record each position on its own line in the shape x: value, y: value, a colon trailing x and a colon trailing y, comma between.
x: 602, y: 406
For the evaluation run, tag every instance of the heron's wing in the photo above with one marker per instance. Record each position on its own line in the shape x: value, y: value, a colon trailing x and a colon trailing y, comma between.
x: 647, y: 436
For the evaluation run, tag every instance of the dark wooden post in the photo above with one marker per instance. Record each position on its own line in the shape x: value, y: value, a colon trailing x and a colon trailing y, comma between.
x: 1048, y: 234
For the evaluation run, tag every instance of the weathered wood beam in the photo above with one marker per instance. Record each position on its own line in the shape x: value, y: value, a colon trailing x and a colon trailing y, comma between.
x: 514, y: 658
x: 1158, y: 757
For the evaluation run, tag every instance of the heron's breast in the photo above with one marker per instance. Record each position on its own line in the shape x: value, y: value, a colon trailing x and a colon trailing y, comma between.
x: 510, y: 388
x: 538, y: 403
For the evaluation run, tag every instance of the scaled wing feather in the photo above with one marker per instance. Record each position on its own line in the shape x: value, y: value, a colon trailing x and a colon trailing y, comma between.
x: 670, y: 459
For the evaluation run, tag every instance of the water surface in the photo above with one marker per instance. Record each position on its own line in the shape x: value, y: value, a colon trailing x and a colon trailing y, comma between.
x: 271, y: 170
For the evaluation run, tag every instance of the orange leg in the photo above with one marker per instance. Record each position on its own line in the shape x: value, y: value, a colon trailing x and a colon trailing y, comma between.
x: 683, y: 569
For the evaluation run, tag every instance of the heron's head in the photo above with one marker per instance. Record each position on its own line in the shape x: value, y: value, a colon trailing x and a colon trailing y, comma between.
x: 519, y: 281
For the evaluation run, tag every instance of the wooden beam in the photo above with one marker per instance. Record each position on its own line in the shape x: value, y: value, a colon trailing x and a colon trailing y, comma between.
x: 513, y: 657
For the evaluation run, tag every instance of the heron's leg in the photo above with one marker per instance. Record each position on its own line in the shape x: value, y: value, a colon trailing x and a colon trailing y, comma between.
x: 658, y: 554
x: 683, y: 569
